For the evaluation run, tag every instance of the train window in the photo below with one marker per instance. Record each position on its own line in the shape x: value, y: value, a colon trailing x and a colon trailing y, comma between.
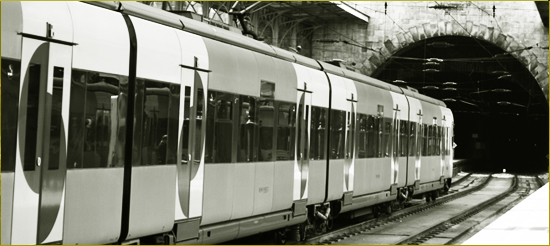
x: 430, y: 140
x: 199, y: 110
x: 351, y: 135
x: 55, y: 119
x: 31, y: 127
x: 337, y: 138
x: 403, y: 138
x: 438, y: 142
x: 387, y: 137
x: 372, y: 137
x: 412, y: 139
x: 395, y: 137
x: 76, y: 119
x: 318, y: 133
x: 425, y: 140
x: 11, y: 71
x: 266, y: 115
x: 362, y: 136
x: 185, y: 131
x: 96, y: 133
x: 248, y: 129
x: 286, y: 127
x: 219, y: 127
x: 157, y: 117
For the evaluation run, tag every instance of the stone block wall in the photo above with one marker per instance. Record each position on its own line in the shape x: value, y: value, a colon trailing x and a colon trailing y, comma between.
x: 516, y: 25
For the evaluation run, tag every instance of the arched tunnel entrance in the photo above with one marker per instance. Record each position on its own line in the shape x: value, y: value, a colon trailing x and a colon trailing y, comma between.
x: 500, y: 110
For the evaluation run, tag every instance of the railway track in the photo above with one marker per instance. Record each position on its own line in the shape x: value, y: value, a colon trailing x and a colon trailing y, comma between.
x: 460, y: 188
x: 447, y: 222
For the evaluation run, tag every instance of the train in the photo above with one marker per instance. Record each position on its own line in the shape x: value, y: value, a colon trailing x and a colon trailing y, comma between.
x: 126, y: 124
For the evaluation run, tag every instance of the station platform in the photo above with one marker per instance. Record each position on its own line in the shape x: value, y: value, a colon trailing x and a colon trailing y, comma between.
x: 525, y: 224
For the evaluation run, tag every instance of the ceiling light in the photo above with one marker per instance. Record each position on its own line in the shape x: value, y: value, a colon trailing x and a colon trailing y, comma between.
x: 430, y: 87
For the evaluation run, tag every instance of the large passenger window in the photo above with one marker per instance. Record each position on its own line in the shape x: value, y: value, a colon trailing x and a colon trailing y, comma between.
x: 286, y: 131
x: 362, y: 136
x: 160, y: 102
x: 96, y: 120
x: 337, y: 131
x: 412, y: 139
x: 424, y: 139
x: 372, y: 139
x: 248, y: 129
x: 266, y: 123
x: 219, y: 127
x: 403, y: 139
x: 318, y: 133
x: 387, y: 137
x: 10, y: 97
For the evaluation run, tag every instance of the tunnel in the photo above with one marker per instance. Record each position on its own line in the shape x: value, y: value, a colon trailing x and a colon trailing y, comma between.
x: 500, y: 110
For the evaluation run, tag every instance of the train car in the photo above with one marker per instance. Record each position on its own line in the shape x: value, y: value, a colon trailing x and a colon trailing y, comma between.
x: 135, y: 125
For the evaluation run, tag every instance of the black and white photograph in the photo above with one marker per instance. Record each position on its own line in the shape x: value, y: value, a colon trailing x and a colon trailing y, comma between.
x: 275, y: 122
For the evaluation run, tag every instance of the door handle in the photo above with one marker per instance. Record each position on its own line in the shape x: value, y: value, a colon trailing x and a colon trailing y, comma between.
x: 38, y: 161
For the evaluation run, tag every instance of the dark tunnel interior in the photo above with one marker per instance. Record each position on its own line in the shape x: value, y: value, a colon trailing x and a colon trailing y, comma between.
x: 500, y: 111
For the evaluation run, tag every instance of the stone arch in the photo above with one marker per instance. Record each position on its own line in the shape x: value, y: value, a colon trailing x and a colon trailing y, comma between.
x: 479, y: 31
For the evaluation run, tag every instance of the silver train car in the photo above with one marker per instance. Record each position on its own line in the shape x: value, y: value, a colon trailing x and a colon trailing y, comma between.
x: 122, y: 123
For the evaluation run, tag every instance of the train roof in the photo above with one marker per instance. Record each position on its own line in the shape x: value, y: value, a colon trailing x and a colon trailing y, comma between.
x: 206, y: 30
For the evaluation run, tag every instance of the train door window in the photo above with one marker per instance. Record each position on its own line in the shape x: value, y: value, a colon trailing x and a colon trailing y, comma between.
x: 11, y: 71
x: 154, y: 117
x: 286, y: 126
x: 362, y: 137
x: 318, y: 133
x: 337, y: 138
x: 219, y: 132
x: 403, y: 138
x: 248, y: 129
x: 31, y: 126
x: 372, y: 137
x: 186, y: 125
x: 55, y: 119
x: 412, y: 138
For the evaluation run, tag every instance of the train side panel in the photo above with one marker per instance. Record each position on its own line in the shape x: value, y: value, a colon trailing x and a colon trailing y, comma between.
x: 103, y: 48
x: 153, y: 177
x: 372, y: 167
x: 431, y: 165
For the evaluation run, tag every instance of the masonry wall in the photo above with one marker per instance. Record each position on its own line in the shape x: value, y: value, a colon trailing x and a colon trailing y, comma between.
x: 409, y: 21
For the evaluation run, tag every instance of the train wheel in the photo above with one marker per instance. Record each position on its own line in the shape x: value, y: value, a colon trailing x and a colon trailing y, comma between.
x: 434, y: 195
x: 281, y: 237
x: 428, y: 197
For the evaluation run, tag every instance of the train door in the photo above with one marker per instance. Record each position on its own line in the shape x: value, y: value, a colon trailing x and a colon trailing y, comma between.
x: 394, y: 153
x: 192, y: 139
x: 302, y: 143
x: 349, y: 157
x: 40, y: 177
